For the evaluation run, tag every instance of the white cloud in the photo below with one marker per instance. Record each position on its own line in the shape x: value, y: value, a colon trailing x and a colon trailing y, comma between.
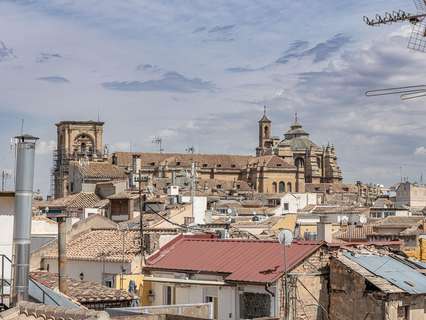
x: 420, y: 151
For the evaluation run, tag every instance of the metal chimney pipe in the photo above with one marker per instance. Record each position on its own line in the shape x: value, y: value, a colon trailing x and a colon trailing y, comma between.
x: 25, y: 153
x: 62, y: 254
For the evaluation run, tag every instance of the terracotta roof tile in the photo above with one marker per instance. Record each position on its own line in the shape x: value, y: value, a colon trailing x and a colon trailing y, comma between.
x: 77, y: 200
x: 82, y: 291
x: 100, y: 245
x: 29, y: 311
x: 100, y: 170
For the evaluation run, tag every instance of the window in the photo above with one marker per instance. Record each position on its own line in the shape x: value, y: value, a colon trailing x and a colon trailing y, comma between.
x: 282, y: 187
x: 178, y: 163
x: 233, y: 165
x: 169, y: 295
x: 289, y: 186
x: 188, y: 220
x: 219, y: 165
x: 278, y: 164
x: 274, y: 187
x: 286, y: 206
x: 219, y: 186
x: 204, y: 165
x: 403, y: 312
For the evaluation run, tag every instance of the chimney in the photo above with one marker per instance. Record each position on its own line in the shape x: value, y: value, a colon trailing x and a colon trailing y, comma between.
x: 173, y: 178
x: 24, y: 177
x: 324, y: 229
x: 136, y: 163
x: 62, y: 254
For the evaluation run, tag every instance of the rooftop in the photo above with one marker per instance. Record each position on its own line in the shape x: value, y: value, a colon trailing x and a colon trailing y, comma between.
x: 82, y: 291
x: 99, y: 245
x: 388, y: 272
x: 34, y: 311
x: 100, y: 170
x: 77, y: 200
x: 252, y: 261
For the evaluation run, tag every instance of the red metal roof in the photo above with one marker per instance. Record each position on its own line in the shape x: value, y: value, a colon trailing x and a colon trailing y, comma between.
x: 239, y: 260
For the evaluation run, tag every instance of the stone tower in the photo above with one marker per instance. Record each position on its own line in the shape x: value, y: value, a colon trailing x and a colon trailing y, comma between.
x: 265, y: 140
x: 76, y: 140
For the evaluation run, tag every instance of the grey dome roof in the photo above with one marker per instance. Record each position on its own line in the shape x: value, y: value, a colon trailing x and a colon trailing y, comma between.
x: 297, y: 138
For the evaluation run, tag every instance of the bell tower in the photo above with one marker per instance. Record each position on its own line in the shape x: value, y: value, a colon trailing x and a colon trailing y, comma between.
x: 77, y: 140
x: 265, y: 127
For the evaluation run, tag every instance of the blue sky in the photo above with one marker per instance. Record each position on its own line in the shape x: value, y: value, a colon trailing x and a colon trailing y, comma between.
x: 199, y: 72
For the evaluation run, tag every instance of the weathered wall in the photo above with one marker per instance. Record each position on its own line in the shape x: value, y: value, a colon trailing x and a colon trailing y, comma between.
x: 309, y: 283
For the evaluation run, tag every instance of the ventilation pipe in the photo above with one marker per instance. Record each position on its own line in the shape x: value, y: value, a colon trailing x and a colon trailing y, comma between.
x: 25, y: 153
x: 62, y: 254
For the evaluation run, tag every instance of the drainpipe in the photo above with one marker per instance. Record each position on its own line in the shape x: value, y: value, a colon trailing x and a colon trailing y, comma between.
x: 62, y: 254
x: 25, y: 150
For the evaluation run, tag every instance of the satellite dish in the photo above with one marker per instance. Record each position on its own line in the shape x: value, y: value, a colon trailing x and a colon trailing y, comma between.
x: 229, y: 211
x: 363, y: 219
x: 285, y: 237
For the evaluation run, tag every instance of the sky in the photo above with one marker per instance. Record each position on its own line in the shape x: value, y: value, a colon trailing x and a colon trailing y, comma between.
x: 198, y: 73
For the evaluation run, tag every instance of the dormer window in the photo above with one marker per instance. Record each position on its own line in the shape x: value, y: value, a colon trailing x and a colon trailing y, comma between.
x: 233, y: 165
x: 152, y: 163
x: 219, y: 165
x: 278, y: 164
x: 204, y: 165
x: 178, y: 163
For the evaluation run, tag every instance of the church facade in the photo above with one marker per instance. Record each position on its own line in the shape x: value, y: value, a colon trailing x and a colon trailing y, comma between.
x: 315, y: 163
x: 280, y: 165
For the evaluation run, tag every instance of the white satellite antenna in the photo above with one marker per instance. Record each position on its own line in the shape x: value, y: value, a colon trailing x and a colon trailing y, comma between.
x: 285, y: 237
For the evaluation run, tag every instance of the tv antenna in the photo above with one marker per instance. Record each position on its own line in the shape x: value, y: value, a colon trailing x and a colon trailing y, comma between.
x: 159, y: 141
x: 190, y: 149
x: 417, y: 39
x: 405, y: 93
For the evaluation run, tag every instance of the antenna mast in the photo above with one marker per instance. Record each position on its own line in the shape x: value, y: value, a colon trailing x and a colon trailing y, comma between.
x: 418, y: 35
x: 159, y: 141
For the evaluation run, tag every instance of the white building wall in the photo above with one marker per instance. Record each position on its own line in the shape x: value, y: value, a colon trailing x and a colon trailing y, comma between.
x: 92, y: 270
x: 227, y: 296
x: 200, y: 207
x: 295, y: 201
x: 7, y: 213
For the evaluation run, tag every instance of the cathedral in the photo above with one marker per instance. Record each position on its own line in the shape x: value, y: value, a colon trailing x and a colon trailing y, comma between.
x: 316, y: 164
x: 280, y: 165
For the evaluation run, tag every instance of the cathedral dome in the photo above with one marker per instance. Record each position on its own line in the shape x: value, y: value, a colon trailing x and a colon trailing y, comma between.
x: 297, y: 138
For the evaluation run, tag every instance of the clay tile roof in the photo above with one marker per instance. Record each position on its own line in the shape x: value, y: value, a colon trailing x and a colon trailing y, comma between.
x: 77, y: 200
x: 272, y: 161
x: 353, y: 233
x: 253, y: 261
x: 225, y: 161
x: 35, y: 311
x: 399, y: 221
x: 100, y: 245
x: 100, y: 170
x: 82, y: 291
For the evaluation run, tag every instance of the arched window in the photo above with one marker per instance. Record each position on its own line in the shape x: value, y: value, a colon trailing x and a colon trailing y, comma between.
x: 274, y: 187
x: 319, y: 162
x: 266, y: 131
x: 289, y: 186
x: 281, y: 187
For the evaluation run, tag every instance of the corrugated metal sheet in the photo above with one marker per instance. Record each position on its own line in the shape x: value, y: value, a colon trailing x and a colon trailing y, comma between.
x: 399, y: 274
x: 242, y: 260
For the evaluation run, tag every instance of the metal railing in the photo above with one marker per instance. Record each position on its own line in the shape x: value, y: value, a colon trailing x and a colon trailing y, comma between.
x: 4, y: 282
x: 44, y: 294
